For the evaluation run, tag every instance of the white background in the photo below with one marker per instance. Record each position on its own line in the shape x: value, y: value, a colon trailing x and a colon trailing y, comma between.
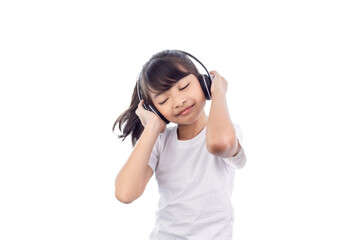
x: 68, y: 69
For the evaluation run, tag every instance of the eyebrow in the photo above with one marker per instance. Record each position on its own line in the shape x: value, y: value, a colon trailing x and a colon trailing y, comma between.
x: 159, y: 93
x: 156, y: 95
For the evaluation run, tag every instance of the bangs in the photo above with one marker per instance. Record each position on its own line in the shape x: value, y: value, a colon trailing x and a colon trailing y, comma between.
x: 161, y: 74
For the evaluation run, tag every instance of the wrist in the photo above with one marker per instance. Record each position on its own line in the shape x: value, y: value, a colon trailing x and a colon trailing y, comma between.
x: 218, y: 93
x: 154, y: 125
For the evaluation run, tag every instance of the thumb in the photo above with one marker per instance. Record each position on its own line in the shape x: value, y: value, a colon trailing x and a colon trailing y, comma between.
x: 141, y: 104
x: 139, y: 107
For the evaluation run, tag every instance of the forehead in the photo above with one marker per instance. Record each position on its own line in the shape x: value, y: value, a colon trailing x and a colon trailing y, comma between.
x: 189, y: 77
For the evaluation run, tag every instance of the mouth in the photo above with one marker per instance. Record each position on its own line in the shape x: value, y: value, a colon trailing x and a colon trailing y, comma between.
x: 185, y: 111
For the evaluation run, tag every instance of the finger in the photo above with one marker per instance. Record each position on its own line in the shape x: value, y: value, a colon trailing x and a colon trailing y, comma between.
x: 140, y: 105
x: 213, y: 73
x: 139, y: 108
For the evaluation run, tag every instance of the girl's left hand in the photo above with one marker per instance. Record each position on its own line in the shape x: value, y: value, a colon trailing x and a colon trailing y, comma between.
x: 219, y: 84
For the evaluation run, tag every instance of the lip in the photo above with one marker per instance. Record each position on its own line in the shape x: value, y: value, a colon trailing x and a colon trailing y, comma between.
x: 185, y: 111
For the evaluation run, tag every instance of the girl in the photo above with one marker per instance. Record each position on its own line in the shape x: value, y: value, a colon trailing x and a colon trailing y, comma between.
x: 194, y: 161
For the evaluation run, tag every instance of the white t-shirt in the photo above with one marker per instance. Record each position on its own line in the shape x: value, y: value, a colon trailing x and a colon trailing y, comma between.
x: 195, y: 188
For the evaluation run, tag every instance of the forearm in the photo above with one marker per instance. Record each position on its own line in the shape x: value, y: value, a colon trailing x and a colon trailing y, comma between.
x: 130, y: 181
x: 220, y: 132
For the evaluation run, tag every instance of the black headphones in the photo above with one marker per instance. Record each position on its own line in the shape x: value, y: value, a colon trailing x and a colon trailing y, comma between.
x: 205, y: 81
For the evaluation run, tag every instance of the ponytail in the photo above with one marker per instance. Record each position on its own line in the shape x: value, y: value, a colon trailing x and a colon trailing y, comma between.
x: 129, y: 122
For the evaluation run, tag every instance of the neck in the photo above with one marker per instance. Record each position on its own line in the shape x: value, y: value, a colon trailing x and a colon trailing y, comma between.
x: 186, y: 132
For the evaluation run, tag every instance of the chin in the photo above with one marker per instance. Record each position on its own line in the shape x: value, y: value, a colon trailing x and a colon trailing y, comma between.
x: 188, y: 120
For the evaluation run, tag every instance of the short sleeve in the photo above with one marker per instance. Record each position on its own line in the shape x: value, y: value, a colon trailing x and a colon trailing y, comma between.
x: 239, y: 160
x: 154, y: 157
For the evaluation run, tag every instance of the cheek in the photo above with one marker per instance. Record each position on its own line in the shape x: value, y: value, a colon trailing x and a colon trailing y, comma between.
x: 164, y: 111
x: 199, y: 94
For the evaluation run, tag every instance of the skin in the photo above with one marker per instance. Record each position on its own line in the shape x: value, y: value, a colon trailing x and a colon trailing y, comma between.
x: 221, y: 138
x: 186, y: 92
x: 220, y: 134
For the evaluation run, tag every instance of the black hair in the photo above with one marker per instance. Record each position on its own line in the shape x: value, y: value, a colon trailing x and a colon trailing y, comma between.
x: 159, y: 74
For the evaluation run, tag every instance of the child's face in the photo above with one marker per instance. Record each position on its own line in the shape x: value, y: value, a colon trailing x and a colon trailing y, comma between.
x: 187, y: 95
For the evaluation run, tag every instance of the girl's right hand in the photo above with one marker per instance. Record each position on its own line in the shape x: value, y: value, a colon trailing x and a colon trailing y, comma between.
x: 148, y: 117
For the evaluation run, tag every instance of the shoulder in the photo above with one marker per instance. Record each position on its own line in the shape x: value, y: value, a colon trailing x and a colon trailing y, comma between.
x: 166, y: 135
x: 168, y: 131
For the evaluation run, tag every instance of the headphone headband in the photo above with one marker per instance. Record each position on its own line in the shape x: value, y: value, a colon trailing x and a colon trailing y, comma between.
x: 197, y: 61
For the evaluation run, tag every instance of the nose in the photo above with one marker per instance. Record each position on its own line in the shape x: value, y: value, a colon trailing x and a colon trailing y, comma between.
x: 179, y: 101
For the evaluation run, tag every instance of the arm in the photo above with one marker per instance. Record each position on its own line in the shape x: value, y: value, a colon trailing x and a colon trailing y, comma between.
x: 221, y: 137
x: 132, y: 179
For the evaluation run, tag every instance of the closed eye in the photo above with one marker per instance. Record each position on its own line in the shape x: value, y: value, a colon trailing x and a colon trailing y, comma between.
x: 179, y: 89
x: 184, y: 87
x: 163, y: 102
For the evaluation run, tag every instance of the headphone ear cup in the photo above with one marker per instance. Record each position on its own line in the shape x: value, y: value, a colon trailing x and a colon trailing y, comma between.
x: 205, y: 83
x: 154, y: 110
